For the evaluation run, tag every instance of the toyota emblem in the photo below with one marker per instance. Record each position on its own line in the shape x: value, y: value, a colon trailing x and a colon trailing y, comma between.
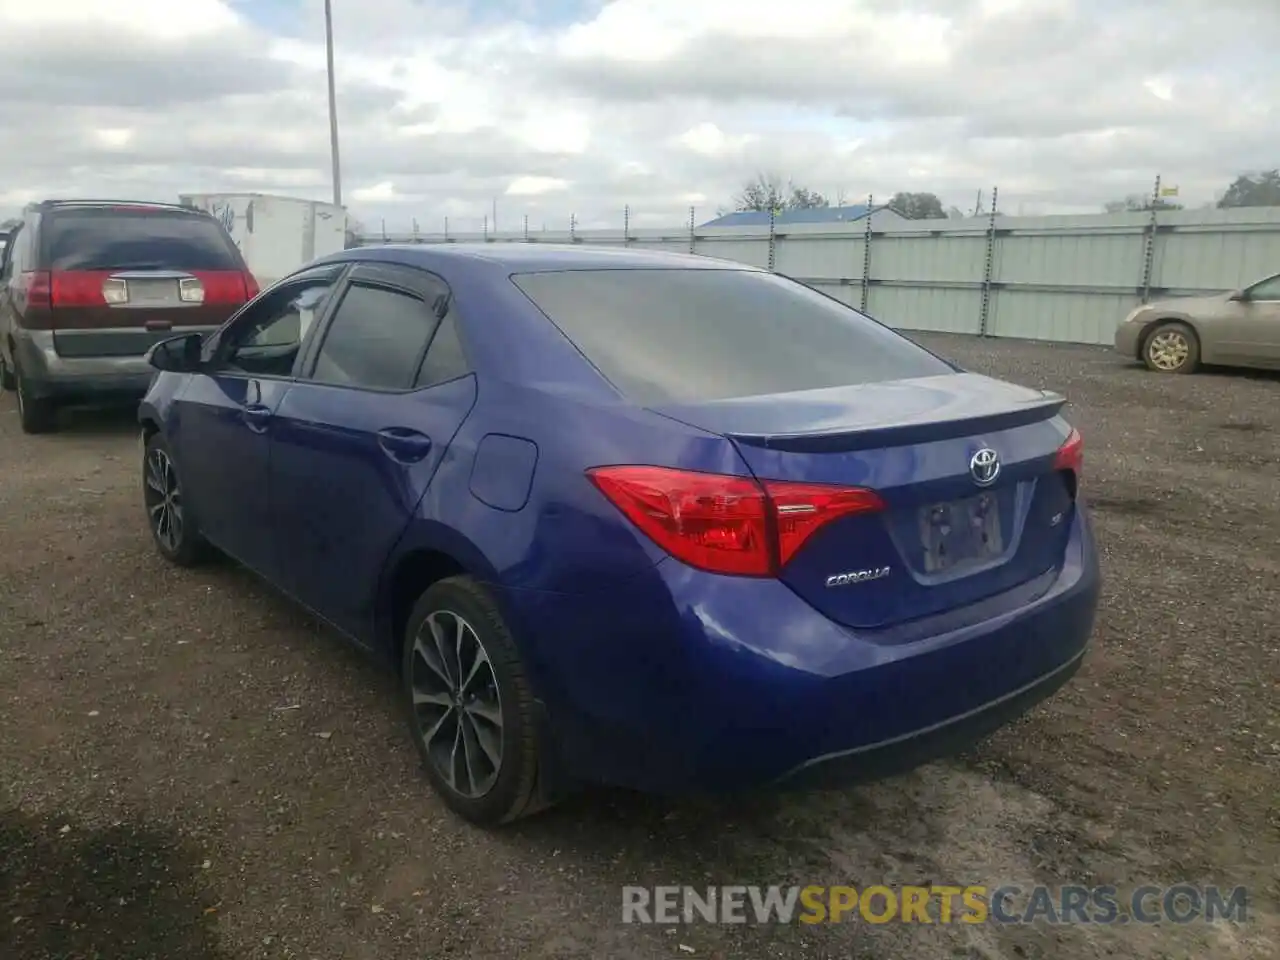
x: 984, y: 467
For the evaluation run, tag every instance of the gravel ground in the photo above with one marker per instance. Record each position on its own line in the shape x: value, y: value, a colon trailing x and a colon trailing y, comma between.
x: 190, y: 767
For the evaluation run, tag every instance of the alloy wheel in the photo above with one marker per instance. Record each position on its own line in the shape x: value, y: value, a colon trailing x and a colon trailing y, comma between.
x: 164, y: 499
x: 1168, y: 349
x: 457, y: 709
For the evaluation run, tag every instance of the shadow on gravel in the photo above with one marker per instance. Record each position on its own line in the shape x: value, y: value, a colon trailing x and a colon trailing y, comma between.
x: 125, y: 891
x: 1243, y: 426
x: 1130, y: 506
x: 117, y: 419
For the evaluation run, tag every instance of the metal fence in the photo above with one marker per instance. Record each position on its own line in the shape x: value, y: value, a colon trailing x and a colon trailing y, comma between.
x: 1065, y: 278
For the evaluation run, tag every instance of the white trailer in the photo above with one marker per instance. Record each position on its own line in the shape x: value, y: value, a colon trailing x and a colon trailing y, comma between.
x: 275, y: 234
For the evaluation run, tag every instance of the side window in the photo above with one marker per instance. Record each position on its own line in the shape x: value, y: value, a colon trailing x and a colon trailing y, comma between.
x: 375, y: 340
x: 6, y: 254
x: 444, y: 360
x: 18, y: 255
x: 1268, y: 289
x: 266, y: 341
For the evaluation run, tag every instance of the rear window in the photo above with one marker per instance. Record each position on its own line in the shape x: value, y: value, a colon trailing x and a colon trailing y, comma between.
x: 124, y: 240
x: 686, y: 336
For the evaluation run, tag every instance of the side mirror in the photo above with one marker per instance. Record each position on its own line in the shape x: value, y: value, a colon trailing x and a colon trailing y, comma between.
x: 1239, y: 296
x: 179, y: 354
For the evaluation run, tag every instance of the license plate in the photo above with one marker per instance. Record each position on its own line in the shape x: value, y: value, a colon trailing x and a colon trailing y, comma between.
x: 962, y: 532
x: 153, y: 293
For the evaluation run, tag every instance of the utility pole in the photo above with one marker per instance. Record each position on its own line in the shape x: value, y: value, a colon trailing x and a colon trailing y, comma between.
x: 333, y: 106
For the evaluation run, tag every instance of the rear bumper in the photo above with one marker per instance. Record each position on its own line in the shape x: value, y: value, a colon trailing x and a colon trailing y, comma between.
x: 685, y: 681
x: 48, y: 375
x: 901, y: 754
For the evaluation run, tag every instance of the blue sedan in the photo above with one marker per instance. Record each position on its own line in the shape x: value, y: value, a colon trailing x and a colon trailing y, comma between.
x: 660, y: 521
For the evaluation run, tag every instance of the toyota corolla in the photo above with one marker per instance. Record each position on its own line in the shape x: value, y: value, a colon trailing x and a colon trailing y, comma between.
x: 655, y: 520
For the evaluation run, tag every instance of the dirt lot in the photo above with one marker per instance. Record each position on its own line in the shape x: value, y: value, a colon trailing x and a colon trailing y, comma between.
x: 189, y: 767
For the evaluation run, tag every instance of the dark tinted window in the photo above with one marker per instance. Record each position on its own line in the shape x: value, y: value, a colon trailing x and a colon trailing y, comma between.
x: 121, y: 239
x: 692, y: 335
x: 444, y: 360
x: 376, y: 340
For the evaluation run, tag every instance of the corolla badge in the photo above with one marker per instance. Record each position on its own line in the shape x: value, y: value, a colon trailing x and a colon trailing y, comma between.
x: 984, y: 467
x: 857, y: 576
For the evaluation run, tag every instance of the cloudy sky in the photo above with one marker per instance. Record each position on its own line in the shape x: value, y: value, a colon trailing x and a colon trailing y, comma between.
x: 560, y: 107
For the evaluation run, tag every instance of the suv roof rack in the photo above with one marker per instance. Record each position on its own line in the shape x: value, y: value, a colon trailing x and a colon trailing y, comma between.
x: 141, y: 204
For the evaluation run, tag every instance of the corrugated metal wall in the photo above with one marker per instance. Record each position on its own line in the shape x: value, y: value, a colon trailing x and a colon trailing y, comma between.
x: 1046, y: 278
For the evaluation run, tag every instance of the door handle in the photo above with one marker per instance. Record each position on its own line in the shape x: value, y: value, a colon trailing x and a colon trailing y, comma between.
x: 404, y: 445
x: 256, y: 417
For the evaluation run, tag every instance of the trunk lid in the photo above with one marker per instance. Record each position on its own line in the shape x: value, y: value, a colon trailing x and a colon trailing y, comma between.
x: 958, y: 526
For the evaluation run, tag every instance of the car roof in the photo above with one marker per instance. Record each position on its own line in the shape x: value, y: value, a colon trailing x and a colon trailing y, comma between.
x: 511, y: 257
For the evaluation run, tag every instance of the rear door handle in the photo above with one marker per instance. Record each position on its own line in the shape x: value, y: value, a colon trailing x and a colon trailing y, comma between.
x: 256, y: 416
x: 404, y: 445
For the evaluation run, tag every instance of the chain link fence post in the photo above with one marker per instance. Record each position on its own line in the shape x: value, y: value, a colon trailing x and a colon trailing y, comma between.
x: 573, y: 228
x: 866, y: 252
x: 693, y: 240
x: 989, y: 265
x: 773, y: 237
x: 446, y: 230
x: 526, y: 228
x: 1149, y: 243
x: 626, y: 225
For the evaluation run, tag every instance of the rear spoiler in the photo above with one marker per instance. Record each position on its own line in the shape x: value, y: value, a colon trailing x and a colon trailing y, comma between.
x: 909, y: 431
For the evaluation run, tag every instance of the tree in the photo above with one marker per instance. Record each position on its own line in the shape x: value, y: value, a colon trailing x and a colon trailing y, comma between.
x: 917, y: 206
x: 1138, y: 203
x: 768, y: 192
x: 1259, y: 190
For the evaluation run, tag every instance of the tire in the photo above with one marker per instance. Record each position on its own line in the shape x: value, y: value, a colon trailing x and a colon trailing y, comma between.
x: 1171, y: 347
x: 456, y: 732
x: 173, y: 528
x: 37, y: 415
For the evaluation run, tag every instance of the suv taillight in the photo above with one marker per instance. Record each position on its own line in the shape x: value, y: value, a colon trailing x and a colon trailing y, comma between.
x: 727, y: 524
x: 221, y: 287
x: 79, y: 288
x: 37, y: 287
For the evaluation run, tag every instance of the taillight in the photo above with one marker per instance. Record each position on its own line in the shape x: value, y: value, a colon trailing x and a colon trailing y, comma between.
x: 81, y: 288
x: 726, y: 524
x: 220, y: 287
x: 1069, y: 460
x: 251, y: 288
x: 1070, y: 455
x: 801, y: 508
x: 37, y: 287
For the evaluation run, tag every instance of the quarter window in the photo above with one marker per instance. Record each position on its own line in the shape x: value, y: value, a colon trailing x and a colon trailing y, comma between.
x: 444, y: 360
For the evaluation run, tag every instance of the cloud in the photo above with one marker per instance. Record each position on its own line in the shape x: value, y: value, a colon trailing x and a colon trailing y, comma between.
x: 583, y: 107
